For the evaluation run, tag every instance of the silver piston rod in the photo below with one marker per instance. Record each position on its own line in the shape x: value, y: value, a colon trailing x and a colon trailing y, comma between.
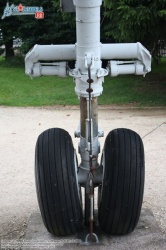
x: 84, y: 145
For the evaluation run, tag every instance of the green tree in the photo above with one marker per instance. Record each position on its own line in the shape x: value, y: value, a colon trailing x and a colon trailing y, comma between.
x: 55, y: 28
x: 133, y: 20
x: 9, y: 29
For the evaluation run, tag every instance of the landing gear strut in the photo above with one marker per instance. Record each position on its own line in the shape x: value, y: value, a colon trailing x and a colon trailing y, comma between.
x: 120, y: 176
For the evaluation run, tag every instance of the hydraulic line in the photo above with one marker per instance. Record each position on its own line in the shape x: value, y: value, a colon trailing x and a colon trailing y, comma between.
x: 91, y: 156
x: 91, y: 188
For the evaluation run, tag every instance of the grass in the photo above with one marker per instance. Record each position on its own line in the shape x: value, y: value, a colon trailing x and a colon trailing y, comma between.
x: 17, y: 89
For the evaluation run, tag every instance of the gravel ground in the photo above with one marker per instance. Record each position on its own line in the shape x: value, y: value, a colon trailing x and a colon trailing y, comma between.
x: 19, y: 129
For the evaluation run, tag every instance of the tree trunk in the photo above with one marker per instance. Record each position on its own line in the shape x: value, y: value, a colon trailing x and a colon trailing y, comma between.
x: 9, y: 48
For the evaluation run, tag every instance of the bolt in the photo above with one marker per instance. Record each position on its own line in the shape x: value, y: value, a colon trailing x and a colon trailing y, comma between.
x: 89, y: 90
x: 90, y: 81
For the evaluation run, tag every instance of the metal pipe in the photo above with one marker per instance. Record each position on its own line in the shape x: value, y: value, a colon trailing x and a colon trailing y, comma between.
x: 91, y: 197
x: 93, y: 47
x: 127, y: 51
x: 48, y: 53
x: 83, y: 115
x: 53, y: 52
x: 94, y: 115
x: 88, y: 46
x: 59, y: 69
x: 119, y: 51
x: 122, y: 68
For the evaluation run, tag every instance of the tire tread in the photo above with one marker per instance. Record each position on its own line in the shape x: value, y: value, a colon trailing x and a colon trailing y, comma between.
x: 56, y: 183
x: 123, y: 182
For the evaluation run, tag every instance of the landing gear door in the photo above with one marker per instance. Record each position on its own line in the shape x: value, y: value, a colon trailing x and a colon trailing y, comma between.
x: 67, y: 5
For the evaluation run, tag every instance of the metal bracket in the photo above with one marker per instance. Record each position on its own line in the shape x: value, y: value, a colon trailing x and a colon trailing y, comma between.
x: 89, y: 60
x: 102, y: 72
x: 87, y: 242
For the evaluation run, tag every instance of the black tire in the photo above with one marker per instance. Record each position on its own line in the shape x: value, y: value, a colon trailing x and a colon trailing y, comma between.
x: 123, y: 182
x: 56, y: 183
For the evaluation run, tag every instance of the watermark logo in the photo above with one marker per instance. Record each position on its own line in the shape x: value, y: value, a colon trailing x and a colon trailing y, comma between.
x: 39, y: 15
x: 38, y: 244
x: 20, y: 7
x: 21, y: 10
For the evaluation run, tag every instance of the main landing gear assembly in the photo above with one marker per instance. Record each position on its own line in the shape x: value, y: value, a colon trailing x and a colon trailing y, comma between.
x: 119, y: 176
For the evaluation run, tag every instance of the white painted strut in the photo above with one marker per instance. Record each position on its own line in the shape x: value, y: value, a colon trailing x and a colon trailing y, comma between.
x: 52, y: 53
x: 88, y: 50
x: 116, y: 68
x: 49, y: 69
x: 127, y: 51
x: 56, y: 53
x: 88, y: 47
